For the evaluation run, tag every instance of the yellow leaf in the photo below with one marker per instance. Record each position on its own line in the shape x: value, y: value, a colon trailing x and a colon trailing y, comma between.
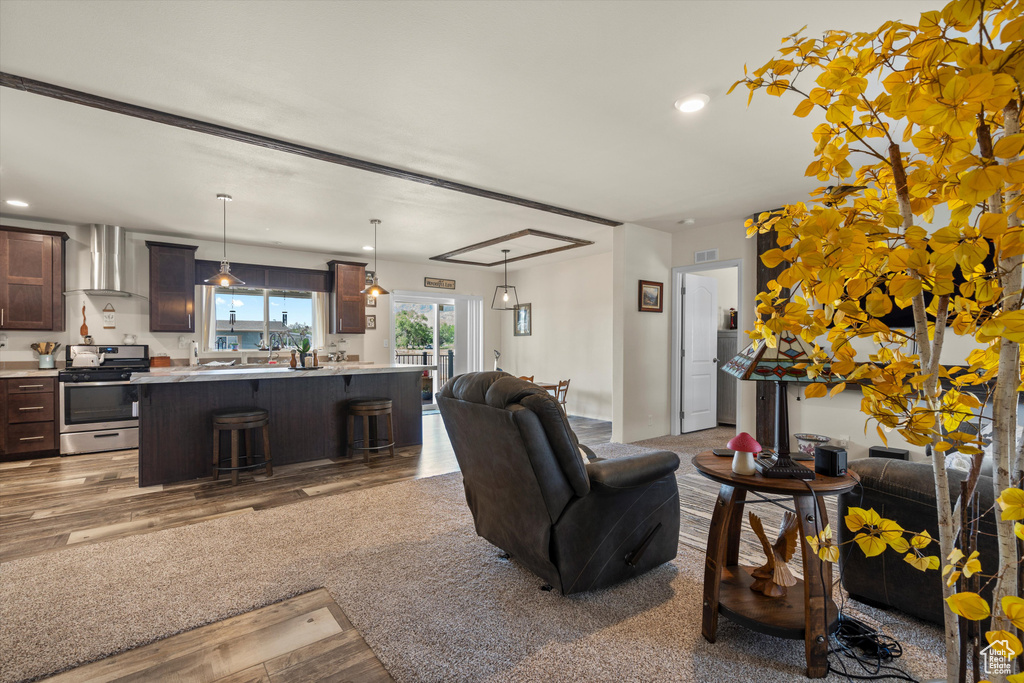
x: 805, y: 107
x: 816, y: 390
x: 920, y: 562
x: 1011, y: 501
x: 772, y: 258
x: 1013, y: 608
x: 970, y: 606
x: 979, y: 184
x: 921, y: 540
x: 839, y: 388
x: 1018, y: 529
x: 1009, y: 146
x: 839, y: 113
x: 877, y: 303
x: 871, y: 545
x: 972, y: 566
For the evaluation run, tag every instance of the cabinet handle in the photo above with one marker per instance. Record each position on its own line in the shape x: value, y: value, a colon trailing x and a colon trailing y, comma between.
x: 33, y: 408
x: 190, y: 321
x: 32, y: 438
x: 1, y: 316
x: 31, y: 386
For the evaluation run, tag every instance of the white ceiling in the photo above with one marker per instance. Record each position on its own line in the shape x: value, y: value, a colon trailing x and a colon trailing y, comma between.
x: 567, y: 103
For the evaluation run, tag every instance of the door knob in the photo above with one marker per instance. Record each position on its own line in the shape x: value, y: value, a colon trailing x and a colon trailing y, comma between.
x: 714, y: 360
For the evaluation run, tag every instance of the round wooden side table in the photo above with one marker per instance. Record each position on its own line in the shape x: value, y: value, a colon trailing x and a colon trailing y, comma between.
x: 801, y: 613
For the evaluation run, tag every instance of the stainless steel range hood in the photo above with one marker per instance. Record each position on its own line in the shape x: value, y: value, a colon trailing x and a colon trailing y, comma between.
x: 108, y: 276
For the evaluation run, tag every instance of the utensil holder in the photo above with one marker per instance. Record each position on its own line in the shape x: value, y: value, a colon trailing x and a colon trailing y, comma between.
x: 46, y: 361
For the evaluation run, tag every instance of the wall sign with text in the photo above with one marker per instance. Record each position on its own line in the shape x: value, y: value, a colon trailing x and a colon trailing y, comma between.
x: 438, y: 283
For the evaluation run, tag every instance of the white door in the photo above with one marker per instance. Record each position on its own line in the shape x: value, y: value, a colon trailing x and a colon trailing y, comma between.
x: 700, y: 343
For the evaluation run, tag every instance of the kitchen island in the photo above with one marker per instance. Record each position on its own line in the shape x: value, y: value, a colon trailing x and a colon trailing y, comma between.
x: 307, y: 411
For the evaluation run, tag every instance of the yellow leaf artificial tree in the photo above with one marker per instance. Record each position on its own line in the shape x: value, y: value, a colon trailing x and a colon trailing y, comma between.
x: 934, y: 109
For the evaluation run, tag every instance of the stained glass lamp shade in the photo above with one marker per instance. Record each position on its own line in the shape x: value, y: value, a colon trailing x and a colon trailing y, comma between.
x: 759, y: 362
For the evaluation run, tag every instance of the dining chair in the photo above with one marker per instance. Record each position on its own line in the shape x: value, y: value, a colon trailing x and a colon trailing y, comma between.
x: 527, y: 378
x: 561, y: 391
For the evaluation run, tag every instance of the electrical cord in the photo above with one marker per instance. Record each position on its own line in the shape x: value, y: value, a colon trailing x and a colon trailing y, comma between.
x: 854, y: 640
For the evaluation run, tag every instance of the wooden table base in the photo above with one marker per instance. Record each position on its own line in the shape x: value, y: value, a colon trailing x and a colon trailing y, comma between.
x: 801, y: 614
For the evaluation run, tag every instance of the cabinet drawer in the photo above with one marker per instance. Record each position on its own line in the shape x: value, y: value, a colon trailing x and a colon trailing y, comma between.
x: 31, y: 385
x: 30, y: 408
x: 30, y: 436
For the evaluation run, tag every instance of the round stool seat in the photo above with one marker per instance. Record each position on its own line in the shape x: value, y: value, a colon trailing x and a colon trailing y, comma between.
x: 370, y: 403
x: 239, y: 414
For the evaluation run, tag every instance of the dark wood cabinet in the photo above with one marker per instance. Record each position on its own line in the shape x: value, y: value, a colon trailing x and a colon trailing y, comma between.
x: 29, y: 425
x: 31, y: 279
x: 172, y: 290
x: 348, y: 303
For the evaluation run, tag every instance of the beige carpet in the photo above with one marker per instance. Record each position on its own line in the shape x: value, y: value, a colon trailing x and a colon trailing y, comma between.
x: 433, y: 600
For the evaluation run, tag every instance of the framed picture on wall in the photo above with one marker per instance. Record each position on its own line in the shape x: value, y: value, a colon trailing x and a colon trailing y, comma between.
x: 371, y: 322
x: 369, y: 277
x: 371, y: 301
x: 524, y: 320
x: 650, y: 296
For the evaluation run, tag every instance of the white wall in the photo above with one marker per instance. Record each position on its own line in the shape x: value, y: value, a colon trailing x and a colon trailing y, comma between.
x: 132, y: 313
x: 572, y: 331
x: 727, y: 284
x: 641, y: 341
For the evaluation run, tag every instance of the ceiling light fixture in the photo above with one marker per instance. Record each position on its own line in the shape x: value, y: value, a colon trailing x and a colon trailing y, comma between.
x: 224, y: 278
x: 503, y: 300
x: 17, y: 202
x: 368, y: 248
x: 693, y: 103
x: 373, y: 288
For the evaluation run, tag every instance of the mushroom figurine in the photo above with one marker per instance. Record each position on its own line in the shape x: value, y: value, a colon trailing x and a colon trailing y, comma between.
x: 745, y: 447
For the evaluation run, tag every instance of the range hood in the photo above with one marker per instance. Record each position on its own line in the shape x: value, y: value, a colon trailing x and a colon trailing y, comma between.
x: 108, y: 276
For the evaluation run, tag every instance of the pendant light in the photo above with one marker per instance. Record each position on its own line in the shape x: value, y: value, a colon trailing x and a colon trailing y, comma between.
x: 373, y: 288
x: 505, y: 298
x: 224, y: 278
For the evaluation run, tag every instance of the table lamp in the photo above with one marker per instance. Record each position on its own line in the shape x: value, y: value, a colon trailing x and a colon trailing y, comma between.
x: 759, y: 362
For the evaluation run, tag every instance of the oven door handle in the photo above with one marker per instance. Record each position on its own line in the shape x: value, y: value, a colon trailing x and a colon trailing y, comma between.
x: 94, y: 384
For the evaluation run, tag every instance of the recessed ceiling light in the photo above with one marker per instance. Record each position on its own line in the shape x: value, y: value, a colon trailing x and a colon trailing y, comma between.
x: 693, y: 103
x: 367, y: 248
x: 17, y: 202
x: 687, y: 221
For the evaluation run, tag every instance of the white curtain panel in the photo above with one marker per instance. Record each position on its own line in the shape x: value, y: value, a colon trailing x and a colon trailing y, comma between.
x: 208, y: 329
x: 320, y: 318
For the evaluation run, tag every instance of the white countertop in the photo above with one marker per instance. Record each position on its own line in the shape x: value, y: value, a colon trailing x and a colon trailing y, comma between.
x: 233, y: 373
x: 15, y: 374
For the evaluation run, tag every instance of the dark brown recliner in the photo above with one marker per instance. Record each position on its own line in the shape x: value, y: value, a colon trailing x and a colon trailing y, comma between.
x: 578, y: 526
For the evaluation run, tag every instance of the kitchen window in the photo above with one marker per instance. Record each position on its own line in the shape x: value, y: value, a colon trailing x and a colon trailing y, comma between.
x: 244, y: 319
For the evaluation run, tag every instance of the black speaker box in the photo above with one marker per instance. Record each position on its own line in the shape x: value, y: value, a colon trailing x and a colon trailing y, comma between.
x: 883, y: 452
x: 830, y: 461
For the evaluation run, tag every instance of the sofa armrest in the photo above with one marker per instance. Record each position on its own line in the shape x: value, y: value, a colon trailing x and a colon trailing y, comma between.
x: 635, y: 470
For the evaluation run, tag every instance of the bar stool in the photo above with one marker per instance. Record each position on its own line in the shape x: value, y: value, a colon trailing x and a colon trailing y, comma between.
x: 369, y: 409
x: 246, y: 420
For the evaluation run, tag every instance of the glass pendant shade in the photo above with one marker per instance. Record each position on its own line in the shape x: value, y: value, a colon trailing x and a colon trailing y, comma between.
x: 505, y: 298
x: 224, y: 278
x: 374, y: 289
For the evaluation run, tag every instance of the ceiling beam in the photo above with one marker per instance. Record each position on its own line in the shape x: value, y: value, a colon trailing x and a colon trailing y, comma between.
x: 156, y: 116
x: 574, y: 243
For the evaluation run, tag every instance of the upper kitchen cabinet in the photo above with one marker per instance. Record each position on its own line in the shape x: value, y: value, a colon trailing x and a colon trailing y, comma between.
x: 31, y: 279
x: 172, y: 287
x: 348, y: 304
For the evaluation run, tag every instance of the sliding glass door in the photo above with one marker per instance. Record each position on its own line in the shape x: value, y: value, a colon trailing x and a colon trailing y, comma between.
x: 437, y: 332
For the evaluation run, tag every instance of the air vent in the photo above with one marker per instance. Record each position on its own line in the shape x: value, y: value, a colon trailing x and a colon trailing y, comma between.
x: 705, y: 256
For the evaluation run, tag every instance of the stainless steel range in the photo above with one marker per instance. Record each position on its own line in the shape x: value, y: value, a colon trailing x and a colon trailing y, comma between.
x: 99, y: 409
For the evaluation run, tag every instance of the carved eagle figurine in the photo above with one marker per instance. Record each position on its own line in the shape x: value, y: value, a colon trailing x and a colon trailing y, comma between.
x: 774, y: 577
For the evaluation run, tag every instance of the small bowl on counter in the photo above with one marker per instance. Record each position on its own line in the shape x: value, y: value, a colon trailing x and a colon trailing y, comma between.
x: 805, y: 443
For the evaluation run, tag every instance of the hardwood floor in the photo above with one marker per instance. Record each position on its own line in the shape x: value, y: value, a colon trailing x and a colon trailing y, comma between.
x: 53, y: 503
x: 306, y: 638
